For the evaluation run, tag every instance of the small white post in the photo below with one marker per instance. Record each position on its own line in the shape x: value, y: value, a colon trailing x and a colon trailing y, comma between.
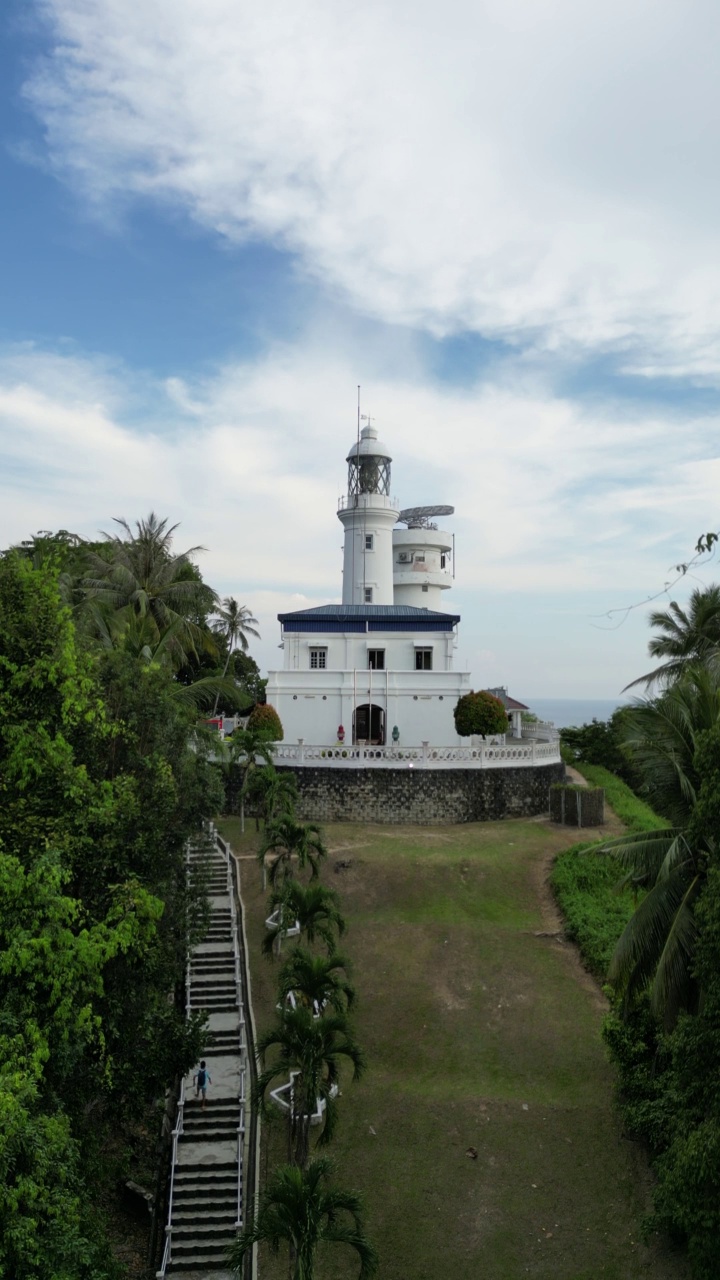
x: 301, y: 744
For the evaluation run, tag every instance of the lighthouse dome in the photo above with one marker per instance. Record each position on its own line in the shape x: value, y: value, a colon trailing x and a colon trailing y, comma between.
x: 369, y: 446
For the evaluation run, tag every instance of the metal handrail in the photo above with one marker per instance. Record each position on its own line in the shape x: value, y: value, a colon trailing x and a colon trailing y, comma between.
x: 242, y: 1047
x: 177, y: 1131
x: 241, y: 1143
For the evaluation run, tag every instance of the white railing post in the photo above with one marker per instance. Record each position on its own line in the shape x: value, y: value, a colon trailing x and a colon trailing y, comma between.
x: 301, y: 744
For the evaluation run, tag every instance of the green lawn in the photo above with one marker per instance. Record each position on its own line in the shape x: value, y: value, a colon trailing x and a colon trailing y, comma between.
x: 480, y: 1033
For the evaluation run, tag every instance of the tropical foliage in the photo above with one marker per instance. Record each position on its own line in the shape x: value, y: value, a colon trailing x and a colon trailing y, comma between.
x: 234, y: 623
x: 104, y: 775
x: 317, y: 981
x: 687, y: 636
x: 310, y: 1050
x: 664, y: 1027
x: 314, y: 909
x: 303, y: 1053
x: 292, y: 843
x: 301, y: 1211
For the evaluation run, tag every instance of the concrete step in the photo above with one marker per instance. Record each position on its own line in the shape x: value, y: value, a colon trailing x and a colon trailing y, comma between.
x: 208, y: 1135
x: 213, y: 981
x: 201, y: 1263
x: 200, y: 1189
x: 206, y: 1216
x: 190, y: 1234
x: 198, y: 994
x: 206, y: 1253
x: 211, y: 1117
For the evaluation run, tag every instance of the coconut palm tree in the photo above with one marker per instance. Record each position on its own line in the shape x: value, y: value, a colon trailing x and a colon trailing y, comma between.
x: 656, y: 949
x: 235, y: 623
x: 313, y: 908
x: 288, y: 840
x: 309, y: 1055
x: 318, y: 982
x: 298, y: 1209
x: 687, y: 636
x: 138, y: 580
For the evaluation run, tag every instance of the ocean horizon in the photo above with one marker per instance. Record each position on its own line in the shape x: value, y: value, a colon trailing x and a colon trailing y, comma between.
x: 573, y: 711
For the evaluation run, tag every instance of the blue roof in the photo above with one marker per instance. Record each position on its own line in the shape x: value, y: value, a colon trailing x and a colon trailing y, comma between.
x: 367, y: 617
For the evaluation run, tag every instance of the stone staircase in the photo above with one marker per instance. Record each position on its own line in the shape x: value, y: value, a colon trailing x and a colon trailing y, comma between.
x: 206, y: 1207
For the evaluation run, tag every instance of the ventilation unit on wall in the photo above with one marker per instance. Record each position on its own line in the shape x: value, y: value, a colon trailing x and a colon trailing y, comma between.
x: 403, y: 557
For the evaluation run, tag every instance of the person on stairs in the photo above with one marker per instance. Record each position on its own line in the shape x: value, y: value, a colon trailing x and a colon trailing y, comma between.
x: 201, y: 1080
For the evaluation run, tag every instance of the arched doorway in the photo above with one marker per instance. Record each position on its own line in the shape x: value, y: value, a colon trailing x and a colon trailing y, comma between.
x: 369, y: 724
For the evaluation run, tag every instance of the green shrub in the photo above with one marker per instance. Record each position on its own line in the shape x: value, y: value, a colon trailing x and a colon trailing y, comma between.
x: 265, y: 719
x: 480, y: 713
x: 595, y: 913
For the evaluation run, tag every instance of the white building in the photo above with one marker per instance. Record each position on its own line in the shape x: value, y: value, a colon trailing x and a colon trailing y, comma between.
x: 377, y: 668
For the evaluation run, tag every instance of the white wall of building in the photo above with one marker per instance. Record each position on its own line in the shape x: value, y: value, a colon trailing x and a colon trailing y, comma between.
x: 312, y: 704
x: 350, y: 650
x: 368, y: 517
x: 422, y: 567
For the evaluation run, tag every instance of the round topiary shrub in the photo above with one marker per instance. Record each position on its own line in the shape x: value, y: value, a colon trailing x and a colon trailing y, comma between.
x: 265, y: 719
x: 480, y: 713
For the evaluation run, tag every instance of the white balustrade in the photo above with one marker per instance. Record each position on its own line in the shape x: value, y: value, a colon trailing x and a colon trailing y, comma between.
x: 541, y: 730
x: 484, y: 756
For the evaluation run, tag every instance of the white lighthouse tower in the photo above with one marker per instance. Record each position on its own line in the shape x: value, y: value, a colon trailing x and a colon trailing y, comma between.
x: 368, y: 514
x: 376, y: 669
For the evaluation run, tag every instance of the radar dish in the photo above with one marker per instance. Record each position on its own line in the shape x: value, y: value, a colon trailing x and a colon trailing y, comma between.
x: 421, y: 517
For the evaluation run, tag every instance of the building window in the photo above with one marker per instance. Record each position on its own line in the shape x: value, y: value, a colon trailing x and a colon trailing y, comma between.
x: 425, y: 586
x: 318, y: 659
x: 368, y: 542
x: 443, y: 560
x: 419, y: 557
x: 423, y: 659
x: 376, y: 659
x: 368, y: 595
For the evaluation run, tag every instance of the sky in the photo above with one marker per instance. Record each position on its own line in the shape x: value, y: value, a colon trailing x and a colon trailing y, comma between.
x: 499, y: 217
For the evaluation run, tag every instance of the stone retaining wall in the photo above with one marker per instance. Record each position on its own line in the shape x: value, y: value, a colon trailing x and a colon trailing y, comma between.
x: 419, y: 795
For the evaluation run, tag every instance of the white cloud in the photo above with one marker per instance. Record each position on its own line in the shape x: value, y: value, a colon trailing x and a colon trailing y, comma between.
x: 560, y: 512
x: 536, y: 167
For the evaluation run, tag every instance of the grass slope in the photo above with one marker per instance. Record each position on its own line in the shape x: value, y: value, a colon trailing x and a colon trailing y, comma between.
x: 633, y: 812
x: 482, y: 1031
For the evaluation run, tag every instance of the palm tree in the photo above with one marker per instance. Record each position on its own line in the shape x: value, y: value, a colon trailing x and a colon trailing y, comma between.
x: 251, y: 751
x: 235, y: 623
x: 309, y: 1055
x: 317, y: 982
x: 688, y: 636
x: 656, y: 949
x: 299, y: 1209
x: 288, y: 839
x: 139, y: 582
x: 276, y: 792
x: 314, y: 908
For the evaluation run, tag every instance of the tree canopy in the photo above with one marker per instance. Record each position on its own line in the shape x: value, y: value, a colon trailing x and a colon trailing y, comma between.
x: 480, y: 713
x: 104, y: 775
